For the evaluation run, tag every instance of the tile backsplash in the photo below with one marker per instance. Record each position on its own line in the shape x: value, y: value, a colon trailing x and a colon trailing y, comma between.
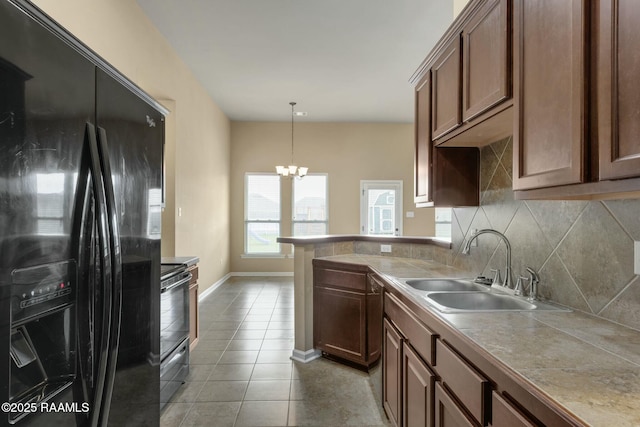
x: 582, y: 250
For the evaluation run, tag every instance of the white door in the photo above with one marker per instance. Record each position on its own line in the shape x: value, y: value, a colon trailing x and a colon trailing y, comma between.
x: 381, y: 208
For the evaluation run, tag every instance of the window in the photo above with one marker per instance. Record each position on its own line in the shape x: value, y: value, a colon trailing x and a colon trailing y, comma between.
x: 381, y: 208
x: 262, y: 213
x: 443, y: 223
x: 310, y: 213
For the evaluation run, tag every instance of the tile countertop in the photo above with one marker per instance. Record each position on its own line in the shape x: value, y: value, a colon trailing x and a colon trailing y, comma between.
x: 587, y: 364
x: 186, y: 260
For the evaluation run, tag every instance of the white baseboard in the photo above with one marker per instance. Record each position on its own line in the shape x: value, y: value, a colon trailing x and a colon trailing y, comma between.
x: 305, y: 356
x: 213, y: 287
x: 263, y: 274
x: 241, y: 274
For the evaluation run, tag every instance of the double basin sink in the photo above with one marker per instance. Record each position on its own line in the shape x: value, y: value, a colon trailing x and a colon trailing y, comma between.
x: 462, y: 295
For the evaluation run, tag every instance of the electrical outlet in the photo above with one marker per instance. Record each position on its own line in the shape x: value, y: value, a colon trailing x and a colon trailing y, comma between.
x: 385, y: 249
x: 474, y: 244
x: 410, y: 214
x: 636, y: 258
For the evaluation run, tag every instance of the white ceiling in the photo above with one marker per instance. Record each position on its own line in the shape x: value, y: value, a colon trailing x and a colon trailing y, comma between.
x: 340, y: 60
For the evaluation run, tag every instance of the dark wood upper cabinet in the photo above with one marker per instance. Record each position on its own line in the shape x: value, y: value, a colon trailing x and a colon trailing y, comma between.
x: 446, y: 84
x: 422, y: 159
x: 486, y: 64
x: 443, y: 176
x: 576, y: 87
x: 616, y: 79
x: 550, y: 97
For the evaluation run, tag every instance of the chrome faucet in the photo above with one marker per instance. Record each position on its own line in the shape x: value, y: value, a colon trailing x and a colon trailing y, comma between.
x: 533, y: 291
x: 507, y: 276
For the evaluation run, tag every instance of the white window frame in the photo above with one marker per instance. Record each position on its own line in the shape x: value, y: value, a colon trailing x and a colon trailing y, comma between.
x: 293, y: 204
x: 247, y: 254
x: 365, y: 185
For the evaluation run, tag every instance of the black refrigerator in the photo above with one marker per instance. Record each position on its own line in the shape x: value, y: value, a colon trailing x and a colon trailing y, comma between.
x: 81, y: 154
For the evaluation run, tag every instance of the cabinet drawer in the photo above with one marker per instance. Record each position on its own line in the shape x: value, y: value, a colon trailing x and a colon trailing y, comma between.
x: 194, y: 274
x: 447, y: 411
x: 504, y: 414
x: 341, y: 279
x: 471, y: 388
x: 419, y: 336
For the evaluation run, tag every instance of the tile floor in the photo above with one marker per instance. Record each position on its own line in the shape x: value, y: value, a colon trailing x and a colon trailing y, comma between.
x: 241, y: 374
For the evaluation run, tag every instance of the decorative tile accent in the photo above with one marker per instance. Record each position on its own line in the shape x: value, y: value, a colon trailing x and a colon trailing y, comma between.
x: 498, y: 202
x: 555, y: 217
x: 324, y: 249
x: 367, y: 248
x: 556, y: 284
x: 489, y: 161
x: 343, y: 248
x: 625, y: 308
x: 583, y: 250
x: 627, y: 213
x: 528, y: 248
x: 401, y: 250
x: 596, y: 254
x: 422, y: 251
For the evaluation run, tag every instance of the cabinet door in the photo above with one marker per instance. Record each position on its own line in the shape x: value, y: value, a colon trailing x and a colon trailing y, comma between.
x: 506, y: 415
x: 618, y: 105
x: 374, y: 320
x: 446, y: 86
x: 447, y: 411
x: 486, y: 63
x: 392, y: 374
x: 549, y: 81
x: 422, y: 167
x: 339, y: 323
x: 418, y: 388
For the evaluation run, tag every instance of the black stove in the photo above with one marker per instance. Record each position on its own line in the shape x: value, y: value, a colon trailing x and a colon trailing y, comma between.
x: 168, y: 270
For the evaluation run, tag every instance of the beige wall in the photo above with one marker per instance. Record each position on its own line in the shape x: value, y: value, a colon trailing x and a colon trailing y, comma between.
x: 119, y: 31
x: 348, y: 152
x: 458, y: 5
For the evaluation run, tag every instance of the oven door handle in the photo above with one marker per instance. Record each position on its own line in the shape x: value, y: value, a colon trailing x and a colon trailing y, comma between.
x: 175, y: 285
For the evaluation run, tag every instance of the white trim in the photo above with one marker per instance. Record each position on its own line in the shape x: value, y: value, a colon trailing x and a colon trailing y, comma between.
x: 305, y: 356
x: 210, y: 289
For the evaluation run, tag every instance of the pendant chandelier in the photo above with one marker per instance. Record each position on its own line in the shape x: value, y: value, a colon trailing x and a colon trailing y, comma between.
x: 292, y: 170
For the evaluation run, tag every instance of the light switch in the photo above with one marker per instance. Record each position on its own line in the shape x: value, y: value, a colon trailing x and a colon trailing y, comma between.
x: 410, y: 214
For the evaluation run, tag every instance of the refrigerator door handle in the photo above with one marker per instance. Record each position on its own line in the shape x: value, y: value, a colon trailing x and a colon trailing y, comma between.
x: 106, y: 273
x: 116, y: 266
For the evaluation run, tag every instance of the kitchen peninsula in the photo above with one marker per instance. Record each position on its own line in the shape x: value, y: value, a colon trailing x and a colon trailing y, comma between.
x: 553, y: 366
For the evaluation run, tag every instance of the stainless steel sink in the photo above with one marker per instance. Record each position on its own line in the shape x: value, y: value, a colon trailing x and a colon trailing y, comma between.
x: 482, y: 301
x: 448, y: 285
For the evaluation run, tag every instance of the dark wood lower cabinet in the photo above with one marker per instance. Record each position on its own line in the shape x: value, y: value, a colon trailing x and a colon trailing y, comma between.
x: 506, y: 415
x: 392, y: 374
x: 432, y: 376
x: 347, y: 312
x: 447, y: 411
x: 340, y: 316
x: 194, y: 314
x: 418, y: 389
